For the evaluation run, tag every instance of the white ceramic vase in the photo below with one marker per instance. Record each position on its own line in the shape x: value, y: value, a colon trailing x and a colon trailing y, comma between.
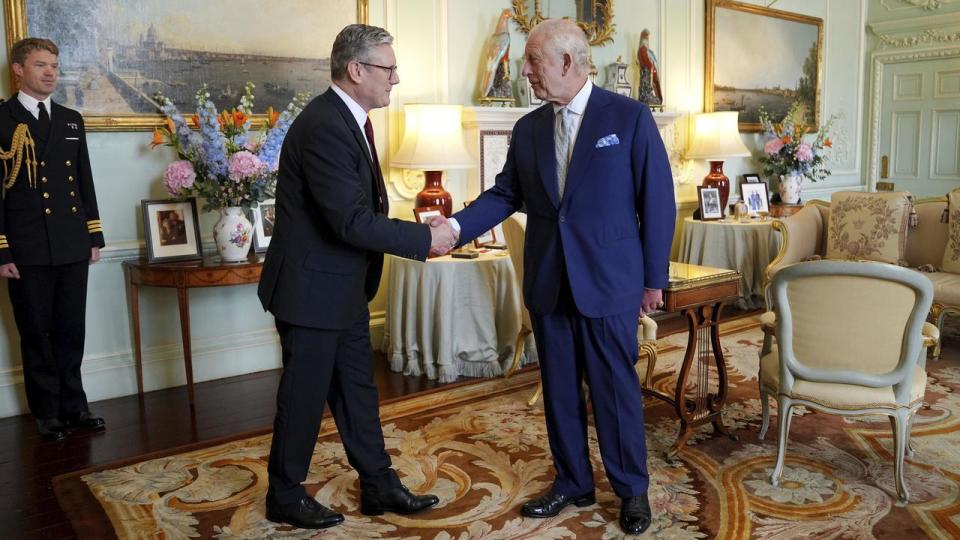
x: 233, y: 234
x: 790, y: 188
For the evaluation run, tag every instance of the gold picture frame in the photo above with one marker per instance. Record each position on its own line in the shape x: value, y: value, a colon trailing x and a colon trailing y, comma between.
x: 81, y: 81
x: 752, y: 60
x: 597, y: 24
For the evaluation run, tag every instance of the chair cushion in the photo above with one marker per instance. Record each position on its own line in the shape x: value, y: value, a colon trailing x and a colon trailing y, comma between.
x: 869, y: 226
x: 946, y: 288
x: 951, y: 254
x: 838, y: 396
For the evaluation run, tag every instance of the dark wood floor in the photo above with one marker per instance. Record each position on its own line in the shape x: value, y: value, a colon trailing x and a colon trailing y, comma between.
x: 157, y: 421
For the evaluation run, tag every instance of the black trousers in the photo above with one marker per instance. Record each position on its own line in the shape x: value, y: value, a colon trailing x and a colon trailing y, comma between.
x: 49, y: 306
x: 332, y: 366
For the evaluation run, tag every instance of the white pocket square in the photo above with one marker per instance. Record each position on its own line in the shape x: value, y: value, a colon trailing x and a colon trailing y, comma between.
x: 609, y: 140
x: 73, y: 138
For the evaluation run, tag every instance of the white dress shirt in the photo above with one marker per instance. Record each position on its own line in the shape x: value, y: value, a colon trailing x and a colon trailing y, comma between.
x: 30, y: 103
x: 574, y: 113
x: 356, y: 110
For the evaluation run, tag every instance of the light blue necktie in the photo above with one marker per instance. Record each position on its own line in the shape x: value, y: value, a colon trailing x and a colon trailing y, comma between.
x: 561, y: 135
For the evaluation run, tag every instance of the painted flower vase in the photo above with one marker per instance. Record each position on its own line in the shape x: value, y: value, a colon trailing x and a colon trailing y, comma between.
x: 790, y: 188
x: 233, y: 234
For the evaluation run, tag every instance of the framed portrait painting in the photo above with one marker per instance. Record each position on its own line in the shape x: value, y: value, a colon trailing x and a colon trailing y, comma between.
x: 494, y: 144
x: 762, y: 57
x: 116, y: 55
x: 171, y: 230
x: 709, y: 199
x: 264, y: 217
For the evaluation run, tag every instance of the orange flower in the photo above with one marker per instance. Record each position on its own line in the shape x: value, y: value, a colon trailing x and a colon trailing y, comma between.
x: 787, y: 139
x: 239, y: 118
x: 272, y: 117
x: 159, y: 138
x: 828, y: 143
x: 171, y: 128
x: 196, y: 120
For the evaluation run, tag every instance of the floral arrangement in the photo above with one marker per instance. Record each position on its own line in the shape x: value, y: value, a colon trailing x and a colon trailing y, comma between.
x: 226, y: 161
x: 790, y: 149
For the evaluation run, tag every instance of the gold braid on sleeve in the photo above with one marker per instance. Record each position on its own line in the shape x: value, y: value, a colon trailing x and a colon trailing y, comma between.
x: 22, y: 148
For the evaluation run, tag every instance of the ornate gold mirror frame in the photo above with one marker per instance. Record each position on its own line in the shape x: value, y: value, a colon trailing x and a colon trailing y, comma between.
x: 598, y: 33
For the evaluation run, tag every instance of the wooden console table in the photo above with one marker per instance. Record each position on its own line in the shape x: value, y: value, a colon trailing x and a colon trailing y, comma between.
x: 699, y: 292
x: 209, y: 272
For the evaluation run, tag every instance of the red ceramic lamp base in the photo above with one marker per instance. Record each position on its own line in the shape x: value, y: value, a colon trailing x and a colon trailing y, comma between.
x: 716, y: 179
x: 433, y: 193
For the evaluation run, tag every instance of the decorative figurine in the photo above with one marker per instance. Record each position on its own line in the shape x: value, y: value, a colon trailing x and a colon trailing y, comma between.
x: 649, y: 90
x: 617, y: 78
x: 495, y: 86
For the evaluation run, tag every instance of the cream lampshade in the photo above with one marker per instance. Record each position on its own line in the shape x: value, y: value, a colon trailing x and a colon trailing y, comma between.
x: 715, y: 138
x: 433, y: 142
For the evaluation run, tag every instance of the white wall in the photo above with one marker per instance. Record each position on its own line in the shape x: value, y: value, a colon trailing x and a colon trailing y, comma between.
x: 438, y: 45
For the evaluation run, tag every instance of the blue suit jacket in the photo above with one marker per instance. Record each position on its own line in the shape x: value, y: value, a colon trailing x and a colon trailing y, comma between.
x: 613, y: 228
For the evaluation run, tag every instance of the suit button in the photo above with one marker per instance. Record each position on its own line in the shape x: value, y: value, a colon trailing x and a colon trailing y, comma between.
x: 73, y: 209
x: 70, y: 178
x: 48, y: 211
x: 46, y: 195
x: 42, y: 164
x: 44, y: 179
x: 72, y: 194
x: 563, y: 219
x: 68, y: 163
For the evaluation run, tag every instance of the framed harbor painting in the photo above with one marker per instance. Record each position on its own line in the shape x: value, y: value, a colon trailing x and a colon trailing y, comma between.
x: 115, y: 55
x: 761, y: 57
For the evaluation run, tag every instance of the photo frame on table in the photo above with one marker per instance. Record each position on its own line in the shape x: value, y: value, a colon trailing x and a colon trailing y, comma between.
x: 709, y: 201
x: 494, y: 145
x: 424, y: 213
x: 153, y: 45
x: 171, y: 230
x: 762, y: 57
x: 751, y: 178
x: 489, y: 237
x: 264, y: 216
x: 756, y: 198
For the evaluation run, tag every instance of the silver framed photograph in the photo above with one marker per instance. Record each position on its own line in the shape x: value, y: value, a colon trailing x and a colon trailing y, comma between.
x: 171, y: 230
x: 494, y: 145
x: 264, y: 216
x: 756, y: 198
x: 709, y: 199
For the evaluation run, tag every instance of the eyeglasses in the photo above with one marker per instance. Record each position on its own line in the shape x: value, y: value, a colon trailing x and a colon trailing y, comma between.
x: 390, y: 70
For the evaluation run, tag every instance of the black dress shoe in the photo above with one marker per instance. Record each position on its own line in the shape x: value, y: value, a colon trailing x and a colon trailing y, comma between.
x: 84, y: 420
x: 306, y: 513
x: 398, y: 500
x: 51, y: 429
x: 635, y: 514
x: 550, y: 504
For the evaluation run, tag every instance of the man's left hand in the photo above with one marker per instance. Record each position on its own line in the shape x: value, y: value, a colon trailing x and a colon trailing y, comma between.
x: 94, y: 255
x: 652, y: 301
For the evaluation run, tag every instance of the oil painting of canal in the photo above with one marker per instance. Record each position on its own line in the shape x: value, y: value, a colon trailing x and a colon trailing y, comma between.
x: 760, y: 57
x: 115, y: 55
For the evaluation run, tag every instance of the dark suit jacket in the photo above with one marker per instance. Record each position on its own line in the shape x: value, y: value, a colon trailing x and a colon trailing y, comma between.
x: 57, y: 221
x: 613, y: 228
x: 326, y: 255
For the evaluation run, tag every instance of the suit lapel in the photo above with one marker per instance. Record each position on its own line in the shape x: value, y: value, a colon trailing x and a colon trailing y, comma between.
x: 544, y: 150
x: 591, y: 128
x: 20, y: 113
x: 348, y: 117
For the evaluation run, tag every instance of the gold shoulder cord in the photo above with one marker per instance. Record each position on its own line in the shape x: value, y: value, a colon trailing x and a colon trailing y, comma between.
x: 21, y: 148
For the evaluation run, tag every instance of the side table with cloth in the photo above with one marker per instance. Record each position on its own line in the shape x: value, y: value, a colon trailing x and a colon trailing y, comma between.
x: 745, y: 247
x: 449, y: 317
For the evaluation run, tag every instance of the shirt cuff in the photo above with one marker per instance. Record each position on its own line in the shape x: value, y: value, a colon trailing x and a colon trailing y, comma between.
x: 454, y: 224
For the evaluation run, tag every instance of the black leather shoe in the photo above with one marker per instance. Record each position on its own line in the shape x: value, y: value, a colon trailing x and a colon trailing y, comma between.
x: 306, y: 513
x: 51, y: 429
x: 84, y: 420
x: 550, y: 504
x: 398, y: 500
x: 635, y: 514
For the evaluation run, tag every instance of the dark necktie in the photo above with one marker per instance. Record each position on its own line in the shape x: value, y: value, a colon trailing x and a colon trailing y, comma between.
x: 378, y: 187
x: 44, y: 119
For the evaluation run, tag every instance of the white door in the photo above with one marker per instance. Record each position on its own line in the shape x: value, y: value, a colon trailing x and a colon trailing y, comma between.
x: 920, y: 127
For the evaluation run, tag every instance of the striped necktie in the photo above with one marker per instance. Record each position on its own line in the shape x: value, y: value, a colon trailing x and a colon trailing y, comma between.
x: 561, y: 135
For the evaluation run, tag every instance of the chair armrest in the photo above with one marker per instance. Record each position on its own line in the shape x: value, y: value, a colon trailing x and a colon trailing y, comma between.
x: 800, y: 236
x: 931, y: 334
x: 648, y: 328
x: 768, y: 323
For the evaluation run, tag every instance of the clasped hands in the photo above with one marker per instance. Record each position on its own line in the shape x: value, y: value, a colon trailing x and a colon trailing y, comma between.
x: 443, y: 237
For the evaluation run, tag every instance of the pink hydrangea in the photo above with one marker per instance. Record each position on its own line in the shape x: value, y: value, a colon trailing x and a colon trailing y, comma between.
x: 252, y: 144
x: 803, y: 152
x: 773, y: 146
x: 179, y: 175
x: 244, y: 164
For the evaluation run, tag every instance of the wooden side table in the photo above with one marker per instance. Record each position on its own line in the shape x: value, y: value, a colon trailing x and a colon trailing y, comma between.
x: 784, y: 210
x: 699, y: 292
x: 209, y: 272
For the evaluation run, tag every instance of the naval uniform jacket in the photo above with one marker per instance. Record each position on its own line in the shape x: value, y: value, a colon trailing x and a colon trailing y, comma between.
x: 55, y: 221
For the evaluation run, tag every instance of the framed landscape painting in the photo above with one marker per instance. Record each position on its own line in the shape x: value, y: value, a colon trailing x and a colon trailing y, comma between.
x: 115, y: 55
x: 761, y: 57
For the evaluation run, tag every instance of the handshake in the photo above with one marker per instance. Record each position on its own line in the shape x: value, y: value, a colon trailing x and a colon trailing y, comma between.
x: 442, y: 235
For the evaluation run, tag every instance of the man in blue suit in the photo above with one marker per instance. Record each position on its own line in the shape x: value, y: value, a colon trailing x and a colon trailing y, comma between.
x: 592, y: 172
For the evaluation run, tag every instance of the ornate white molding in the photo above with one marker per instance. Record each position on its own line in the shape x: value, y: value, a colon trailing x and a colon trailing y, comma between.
x: 915, y: 40
x: 929, y: 5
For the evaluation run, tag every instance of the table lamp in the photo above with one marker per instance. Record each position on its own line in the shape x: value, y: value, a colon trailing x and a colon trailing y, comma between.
x: 433, y: 142
x: 716, y: 138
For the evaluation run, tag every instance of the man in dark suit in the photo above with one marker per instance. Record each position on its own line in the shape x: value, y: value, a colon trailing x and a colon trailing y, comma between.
x: 591, y: 169
x: 50, y: 233
x: 321, y: 270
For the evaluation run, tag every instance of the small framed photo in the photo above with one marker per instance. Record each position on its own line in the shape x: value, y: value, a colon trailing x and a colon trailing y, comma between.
x: 756, y: 198
x: 487, y: 238
x: 264, y: 216
x: 424, y: 213
x: 751, y: 178
x: 709, y: 199
x: 171, y: 230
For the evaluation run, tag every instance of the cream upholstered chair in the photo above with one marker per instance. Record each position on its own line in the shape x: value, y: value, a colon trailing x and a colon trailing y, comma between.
x: 849, y: 341
x: 514, y: 231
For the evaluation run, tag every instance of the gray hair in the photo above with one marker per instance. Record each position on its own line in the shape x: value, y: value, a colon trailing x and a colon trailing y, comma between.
x: 563, y: 36
x: 355, y: 42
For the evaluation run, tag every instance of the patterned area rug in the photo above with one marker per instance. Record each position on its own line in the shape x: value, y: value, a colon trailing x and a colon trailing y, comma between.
x: 484, y: 452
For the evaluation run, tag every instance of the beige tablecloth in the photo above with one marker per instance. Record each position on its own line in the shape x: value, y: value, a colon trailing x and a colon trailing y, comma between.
x: 449, y: 317
x: 745, y: 247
